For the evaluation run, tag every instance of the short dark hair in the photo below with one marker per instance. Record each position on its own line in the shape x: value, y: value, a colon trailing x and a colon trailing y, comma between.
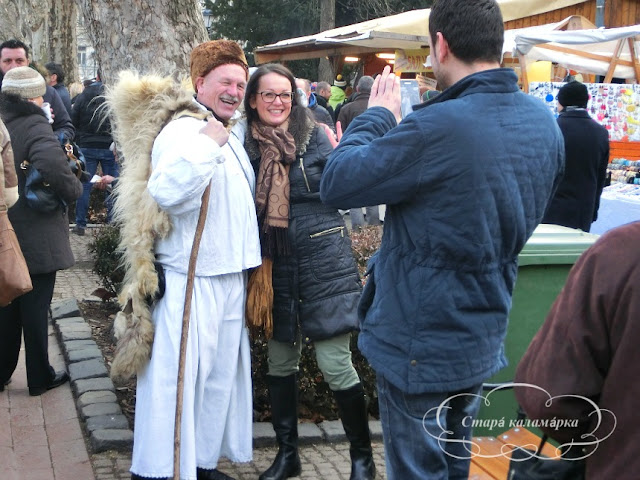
x: 13, y: 43
x: 254, y: 84
x: 473, y: 29
x: 56, y: 68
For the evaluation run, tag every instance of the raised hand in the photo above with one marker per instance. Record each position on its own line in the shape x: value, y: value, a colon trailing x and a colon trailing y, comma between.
x: 385, y: 92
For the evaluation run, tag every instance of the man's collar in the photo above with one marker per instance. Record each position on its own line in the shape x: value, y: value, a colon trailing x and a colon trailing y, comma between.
x: 224, y: 122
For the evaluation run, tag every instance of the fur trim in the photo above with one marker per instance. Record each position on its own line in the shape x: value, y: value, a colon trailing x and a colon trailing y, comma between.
x: 12, y: 105
x: 301, y: 126
x: 140, y: 107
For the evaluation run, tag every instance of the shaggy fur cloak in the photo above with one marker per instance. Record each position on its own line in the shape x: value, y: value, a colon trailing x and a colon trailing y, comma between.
x: 140, y: 107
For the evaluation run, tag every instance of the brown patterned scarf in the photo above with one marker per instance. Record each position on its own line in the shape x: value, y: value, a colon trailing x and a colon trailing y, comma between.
x: 277, y: 153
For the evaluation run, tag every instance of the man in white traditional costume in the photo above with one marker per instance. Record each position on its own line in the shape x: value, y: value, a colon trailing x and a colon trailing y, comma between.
x: 189, y: 154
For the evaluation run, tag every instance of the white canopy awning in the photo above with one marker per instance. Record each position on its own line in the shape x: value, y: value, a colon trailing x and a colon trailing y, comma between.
x: 611, y: 52
x: 408, y: 30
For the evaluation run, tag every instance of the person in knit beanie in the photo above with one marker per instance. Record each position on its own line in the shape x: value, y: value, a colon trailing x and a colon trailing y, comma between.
x: 26, y: 83
x: 573, y: 94
x: 43, y: 235
x: 576, y: 202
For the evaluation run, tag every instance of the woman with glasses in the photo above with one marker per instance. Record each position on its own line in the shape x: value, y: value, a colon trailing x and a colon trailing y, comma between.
x: 307, y: 263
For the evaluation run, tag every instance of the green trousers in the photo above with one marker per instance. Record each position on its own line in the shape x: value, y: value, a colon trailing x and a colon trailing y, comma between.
x: 333, y: 357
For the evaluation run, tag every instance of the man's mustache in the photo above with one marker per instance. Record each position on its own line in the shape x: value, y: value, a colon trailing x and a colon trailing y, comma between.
x: 229, y: 98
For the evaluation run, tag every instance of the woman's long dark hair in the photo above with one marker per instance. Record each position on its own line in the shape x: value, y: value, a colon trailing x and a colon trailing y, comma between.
x: 254, y: 85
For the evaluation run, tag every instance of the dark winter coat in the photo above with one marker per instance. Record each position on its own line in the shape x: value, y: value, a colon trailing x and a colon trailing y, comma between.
x: 63, y: 92
x: 466, y: 180
x: 586, y: 145
x: 317, y: 287
x: 93, y: 128
x: 43, y: 237
x: 323, y: 102
x: 320, y: 113
x: 62, y: 125
x: 351, y: 110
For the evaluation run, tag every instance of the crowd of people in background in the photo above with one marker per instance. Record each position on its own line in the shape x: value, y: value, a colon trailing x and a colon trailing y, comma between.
x: 278, y: 156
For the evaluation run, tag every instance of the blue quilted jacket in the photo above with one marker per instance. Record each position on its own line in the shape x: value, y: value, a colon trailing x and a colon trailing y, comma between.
x: 466, y: 178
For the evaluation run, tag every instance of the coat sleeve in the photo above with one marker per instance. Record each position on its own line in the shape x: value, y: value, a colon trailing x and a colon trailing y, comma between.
x: 62, y: 121
x: 569, y: 357
x: 47, y: 156
x: 9, y: 182
x: 602, y: 173
x: 374, y: 163
x: 184, y: 163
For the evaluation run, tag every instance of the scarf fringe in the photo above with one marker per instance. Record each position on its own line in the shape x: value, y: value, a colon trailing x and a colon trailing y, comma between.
x: 259, y: 309
x: 274, y: 241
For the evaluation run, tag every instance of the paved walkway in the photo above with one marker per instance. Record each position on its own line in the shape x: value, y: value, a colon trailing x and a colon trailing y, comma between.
x: 41, y: 438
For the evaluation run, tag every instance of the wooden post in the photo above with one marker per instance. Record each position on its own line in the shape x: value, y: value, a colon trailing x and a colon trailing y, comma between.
x: 634, y: 58
x: 523, y: 72
x: 614, y: 61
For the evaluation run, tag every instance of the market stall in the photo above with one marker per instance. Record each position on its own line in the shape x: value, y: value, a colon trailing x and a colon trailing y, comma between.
x: 403, y: 36
x: 609, y: 52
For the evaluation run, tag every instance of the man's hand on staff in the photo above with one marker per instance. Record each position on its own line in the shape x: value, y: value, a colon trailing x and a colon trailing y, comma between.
x: 385, y: 92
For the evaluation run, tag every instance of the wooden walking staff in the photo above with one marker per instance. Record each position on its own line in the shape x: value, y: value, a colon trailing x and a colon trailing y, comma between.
x: 191, y: 273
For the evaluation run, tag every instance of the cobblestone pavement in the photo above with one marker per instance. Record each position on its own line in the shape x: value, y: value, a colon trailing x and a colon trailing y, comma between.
x: 319, y: 461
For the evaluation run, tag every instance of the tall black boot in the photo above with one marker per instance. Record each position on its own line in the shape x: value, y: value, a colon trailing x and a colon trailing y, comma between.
x: 284, y: 417
x: 352, y: 405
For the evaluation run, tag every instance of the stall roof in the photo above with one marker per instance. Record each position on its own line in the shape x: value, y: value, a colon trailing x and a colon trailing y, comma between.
x: 408, y: 30
x: 574, y: 22
x: 611, y: 52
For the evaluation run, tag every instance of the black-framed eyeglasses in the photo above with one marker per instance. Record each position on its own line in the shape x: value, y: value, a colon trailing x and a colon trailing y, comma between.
x: 270, y: 97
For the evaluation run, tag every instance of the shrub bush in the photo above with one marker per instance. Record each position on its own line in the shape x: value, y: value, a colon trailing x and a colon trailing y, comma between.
x: 316, y: 401
x: 107, y: 258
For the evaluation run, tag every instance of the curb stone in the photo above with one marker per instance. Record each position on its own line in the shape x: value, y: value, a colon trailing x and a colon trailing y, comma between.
x: 94, y: 391
x: 104, y: 423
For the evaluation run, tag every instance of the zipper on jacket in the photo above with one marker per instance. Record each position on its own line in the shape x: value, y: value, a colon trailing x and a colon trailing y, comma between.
x: 304, y: 174
x: 328, y: 232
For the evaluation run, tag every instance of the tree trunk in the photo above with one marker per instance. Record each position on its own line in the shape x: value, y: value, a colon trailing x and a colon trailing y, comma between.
x: 27, y: 21
x: 327, y: 22
x: 62, y: 37
x: 144, y: 35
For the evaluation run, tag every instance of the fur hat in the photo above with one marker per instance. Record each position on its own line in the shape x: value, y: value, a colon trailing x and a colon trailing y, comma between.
x: 573, y: 94
x: 24, y: 81
x: 209, y: 55
x: 339, y: 82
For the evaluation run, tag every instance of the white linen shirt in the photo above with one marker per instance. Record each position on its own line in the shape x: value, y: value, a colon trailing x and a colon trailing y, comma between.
x: 184, y: 162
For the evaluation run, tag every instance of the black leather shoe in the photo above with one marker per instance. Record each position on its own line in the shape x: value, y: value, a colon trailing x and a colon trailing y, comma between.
x: 4, y: 384
x: 215, y: 474
x: 59, y: 379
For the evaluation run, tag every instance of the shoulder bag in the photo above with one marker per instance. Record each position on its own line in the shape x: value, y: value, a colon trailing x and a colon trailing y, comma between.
x: 37, y: 192
x: 14, y: 273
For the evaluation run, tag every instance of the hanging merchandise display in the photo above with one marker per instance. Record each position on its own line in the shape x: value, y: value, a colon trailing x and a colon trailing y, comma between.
x: 621, y: 170
x: 615, y: 106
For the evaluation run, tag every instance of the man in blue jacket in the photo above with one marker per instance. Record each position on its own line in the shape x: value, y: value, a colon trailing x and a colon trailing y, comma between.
x: 466, y: 178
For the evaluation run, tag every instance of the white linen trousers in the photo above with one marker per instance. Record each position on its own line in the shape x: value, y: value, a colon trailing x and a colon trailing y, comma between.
x: 217, y: 410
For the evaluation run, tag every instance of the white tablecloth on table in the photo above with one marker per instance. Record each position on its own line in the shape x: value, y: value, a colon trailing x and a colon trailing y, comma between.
x: 614, y: 212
